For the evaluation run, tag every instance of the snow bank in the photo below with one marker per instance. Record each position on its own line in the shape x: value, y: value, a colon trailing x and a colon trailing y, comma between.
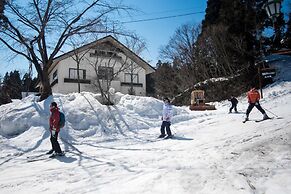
x: 85, y: 115
x: 282, y: 63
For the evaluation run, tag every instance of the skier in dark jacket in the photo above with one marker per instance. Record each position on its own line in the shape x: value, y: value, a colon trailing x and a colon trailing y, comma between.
x: 234, y: 103
x: 54, y: 123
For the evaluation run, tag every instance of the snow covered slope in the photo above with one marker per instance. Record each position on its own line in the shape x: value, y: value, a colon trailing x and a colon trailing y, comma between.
x: 115, y: 149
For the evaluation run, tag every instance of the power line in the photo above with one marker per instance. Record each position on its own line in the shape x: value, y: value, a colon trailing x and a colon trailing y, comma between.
x: 173, y: 11
x: 160, y: 18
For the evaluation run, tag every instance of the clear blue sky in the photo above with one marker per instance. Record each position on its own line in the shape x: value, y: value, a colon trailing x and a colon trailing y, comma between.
x: 155, y: 32
x: 158, y: 32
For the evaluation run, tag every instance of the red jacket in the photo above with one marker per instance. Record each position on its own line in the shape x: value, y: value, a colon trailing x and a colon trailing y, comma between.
x: 55, y: 119
x: 253, y: 96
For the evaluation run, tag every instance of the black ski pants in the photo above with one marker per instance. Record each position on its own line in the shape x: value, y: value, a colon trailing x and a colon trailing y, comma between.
x: 166, y: 124
x: 233, y: 106
x: 55, y: 144
x: 251, y: 106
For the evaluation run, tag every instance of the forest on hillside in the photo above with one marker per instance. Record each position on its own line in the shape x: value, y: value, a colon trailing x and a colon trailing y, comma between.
x: 228, y: 44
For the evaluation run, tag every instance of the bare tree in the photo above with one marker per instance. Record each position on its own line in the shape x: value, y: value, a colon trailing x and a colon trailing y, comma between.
x: 181, y: 44
x: 133, y: 70
x: 196, y: 57
x: 39, y: 29
x: 137, y: 45
x: 166, y: 82
x: 181, y: 52
x: 78, y: 57
x: 108, y: 62
x: 221, y: 52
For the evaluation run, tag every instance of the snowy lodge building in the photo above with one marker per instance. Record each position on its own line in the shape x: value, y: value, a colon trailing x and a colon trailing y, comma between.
x: 105, y: 58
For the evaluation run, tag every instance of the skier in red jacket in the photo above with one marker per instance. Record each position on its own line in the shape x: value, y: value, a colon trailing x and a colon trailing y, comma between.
x: 253, y: 99
x: 54, y: 122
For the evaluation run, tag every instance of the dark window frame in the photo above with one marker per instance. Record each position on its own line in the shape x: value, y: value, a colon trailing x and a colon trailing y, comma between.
x: 135, y: 76
x: 82, y: 81
x: 75, y: 69
x: 105, y: 73
x: 55, y: 75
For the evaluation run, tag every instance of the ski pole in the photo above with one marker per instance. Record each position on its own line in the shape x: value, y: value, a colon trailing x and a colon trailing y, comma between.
x: 174, y: 129
x: 271, y: 113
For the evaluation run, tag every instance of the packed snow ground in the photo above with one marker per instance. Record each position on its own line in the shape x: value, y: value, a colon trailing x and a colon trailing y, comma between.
x: 115, y: 150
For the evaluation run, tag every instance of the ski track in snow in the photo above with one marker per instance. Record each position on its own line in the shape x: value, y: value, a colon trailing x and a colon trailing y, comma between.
x: 115, y: 150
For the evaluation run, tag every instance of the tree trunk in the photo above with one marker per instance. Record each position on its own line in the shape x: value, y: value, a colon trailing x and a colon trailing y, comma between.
x: 78, y: 76
x: 46, y: 87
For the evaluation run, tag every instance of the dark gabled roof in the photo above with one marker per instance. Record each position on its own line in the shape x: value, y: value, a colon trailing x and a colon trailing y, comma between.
x: 137, y: 59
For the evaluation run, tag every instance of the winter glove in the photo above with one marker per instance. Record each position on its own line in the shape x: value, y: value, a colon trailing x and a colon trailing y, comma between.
x: 53, y: 132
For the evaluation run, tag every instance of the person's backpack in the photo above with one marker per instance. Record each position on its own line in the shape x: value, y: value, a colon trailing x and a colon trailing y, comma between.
x: 62, y: 120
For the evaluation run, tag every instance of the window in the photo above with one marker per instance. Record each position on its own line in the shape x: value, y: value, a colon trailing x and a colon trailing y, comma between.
x: 73, y: 73
x: 127, y: 78
x: 55, y: 75
x: 105, y: 73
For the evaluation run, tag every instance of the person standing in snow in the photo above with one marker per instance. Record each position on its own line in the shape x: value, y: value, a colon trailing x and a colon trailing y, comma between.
x: 166, y: 118
x: 253, y: 99
x: 234, y: 103
x: 54, y: 122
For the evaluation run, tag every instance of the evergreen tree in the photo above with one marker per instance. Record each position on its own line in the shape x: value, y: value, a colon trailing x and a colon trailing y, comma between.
x: 287, y: 39
x: 4, y: 97
x: 33, y: 85
x: 279, y: 27
x: 28, y: 83
x: 13, y: 84
x: 26, y: 80
x: 212, y: 13
x: 150, y: 83
x: 2, y: 7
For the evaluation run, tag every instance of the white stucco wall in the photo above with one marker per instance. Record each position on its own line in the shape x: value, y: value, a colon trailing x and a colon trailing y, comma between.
x: 65, y: 87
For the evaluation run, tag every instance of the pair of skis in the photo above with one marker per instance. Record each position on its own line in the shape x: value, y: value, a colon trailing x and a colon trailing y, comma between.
x: 258, y: 120
x: 166, y: 137
x: 269, y: 118
x: 43, y: 156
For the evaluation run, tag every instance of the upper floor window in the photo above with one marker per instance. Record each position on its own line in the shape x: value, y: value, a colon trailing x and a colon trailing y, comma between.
x: 105, y: 73
x: 129, y: 76
x: 73, y: 73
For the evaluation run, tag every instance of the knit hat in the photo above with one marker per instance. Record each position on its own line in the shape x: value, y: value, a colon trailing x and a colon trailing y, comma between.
x: 54, y: 104
x: 166, y: 99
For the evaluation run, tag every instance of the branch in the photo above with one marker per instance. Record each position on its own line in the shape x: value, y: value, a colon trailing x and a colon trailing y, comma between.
x: 13, y: 49
x: 23, y: 19
x: 64, y: 37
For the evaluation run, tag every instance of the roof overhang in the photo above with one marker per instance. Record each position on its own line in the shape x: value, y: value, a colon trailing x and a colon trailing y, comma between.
x: 137, y: 59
